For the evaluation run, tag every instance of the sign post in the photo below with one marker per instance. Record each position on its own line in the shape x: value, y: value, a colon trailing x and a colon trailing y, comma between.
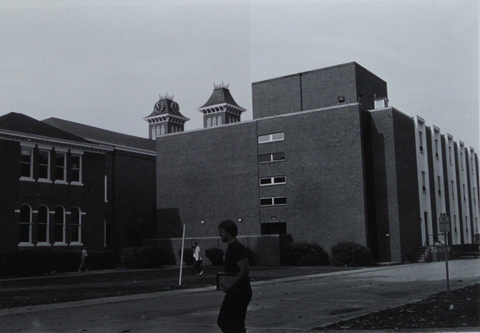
x: 444, y: 222
x: 181, y: 257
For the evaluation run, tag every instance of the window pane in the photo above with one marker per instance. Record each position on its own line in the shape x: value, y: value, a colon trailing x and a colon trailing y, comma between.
x: 42, y: 233
x: 265, y: 201
x: 263, y: 138
x: 43, y: 171
x: 264, y: 158
x: 26, y: 155
x: 25, y: 214
x: 280, y: 201
x: 26, y: 170
x: 278, y: 136
x: 24, y: 233
x: 278, y: 156
x: 43, y: 157
x: 265, y: 181
x: 277, y: 180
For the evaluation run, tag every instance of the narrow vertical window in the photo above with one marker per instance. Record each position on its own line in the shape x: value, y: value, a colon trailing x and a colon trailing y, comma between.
x: 42, y: 225
x: 453, y: 190
x: 424, y: 188
x: 450, y: 154
x: 105, y: 188
x: 209, y: 122
x: 76, y: 168
x: 214, y: 121
x: 59, y: 226
x: 420, y: 140
x: 153, y: 133
x: 162, y: 130
x: 436, y: 148
x: 60, y: 166
x: 219, y: 120
x: 27, y: 163
x: 25, y: 225
x: 43, y: 164
x: 439, y: 185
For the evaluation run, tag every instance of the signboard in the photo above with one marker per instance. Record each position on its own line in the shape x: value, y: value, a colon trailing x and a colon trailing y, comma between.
x: 444, y: 223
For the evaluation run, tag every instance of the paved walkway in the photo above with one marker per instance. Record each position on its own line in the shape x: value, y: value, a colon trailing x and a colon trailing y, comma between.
x: 284, y: 305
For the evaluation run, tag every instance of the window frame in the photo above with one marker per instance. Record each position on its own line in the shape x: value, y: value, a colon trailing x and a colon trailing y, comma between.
x: 79, y: 169
x: 42, y: 165
x: 273, y: 201
x: 29, y: 223
x: 30, y: 163
x: 47, y: 226
x: 271, y: 160
x: 272, y: 181
x: 76, y: 224
x: 64, y: 167
x: 266, y: 138
x: 62, y: 224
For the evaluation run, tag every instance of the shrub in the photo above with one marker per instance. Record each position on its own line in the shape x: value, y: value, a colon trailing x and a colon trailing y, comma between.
x: 142, y: 257
x: 251, y: 256
x: 215, y: 255
x: 305, y: 254
x: 187, y: 256
x: 350, y: 254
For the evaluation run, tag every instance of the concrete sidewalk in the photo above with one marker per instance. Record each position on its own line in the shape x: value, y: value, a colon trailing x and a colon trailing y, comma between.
x: 295, y: 304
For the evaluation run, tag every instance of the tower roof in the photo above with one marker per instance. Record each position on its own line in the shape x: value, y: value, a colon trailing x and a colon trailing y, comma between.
x: 166, y: 106
x: 220, y: 95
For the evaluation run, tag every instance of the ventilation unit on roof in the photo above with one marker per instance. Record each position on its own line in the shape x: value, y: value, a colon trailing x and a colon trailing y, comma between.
x: 381, y: 103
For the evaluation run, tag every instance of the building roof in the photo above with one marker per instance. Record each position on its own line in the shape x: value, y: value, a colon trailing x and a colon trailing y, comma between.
x: 20, y: 123
x: 220, y: 95
x: 103, y: 136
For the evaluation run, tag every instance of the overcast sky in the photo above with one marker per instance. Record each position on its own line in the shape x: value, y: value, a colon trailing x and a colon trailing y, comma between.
x: 104, y: 63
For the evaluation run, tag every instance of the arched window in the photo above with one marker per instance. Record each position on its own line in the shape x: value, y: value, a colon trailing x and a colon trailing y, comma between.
x: 162, y: 131
x: 153, y: 132
x: 219, y: 120
x: 214, y: 121
x: 209, y: 122
x: 43, y: 219
x: 76, y: 226
x: 158, y: 130
x: 59, y: 227
x: 25, y: 225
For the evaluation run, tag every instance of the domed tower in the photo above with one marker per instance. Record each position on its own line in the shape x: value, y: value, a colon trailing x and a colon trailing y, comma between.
x: 165, y: 118
x: 220, y: 108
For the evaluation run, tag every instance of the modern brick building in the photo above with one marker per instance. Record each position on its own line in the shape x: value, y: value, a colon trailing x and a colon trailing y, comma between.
x: 325, y: 159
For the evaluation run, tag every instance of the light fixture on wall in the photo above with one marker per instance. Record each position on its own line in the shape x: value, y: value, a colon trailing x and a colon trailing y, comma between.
x: 240, y: 220
x: 202, y: 222
x: 341, y: 99
x: 273, y: 217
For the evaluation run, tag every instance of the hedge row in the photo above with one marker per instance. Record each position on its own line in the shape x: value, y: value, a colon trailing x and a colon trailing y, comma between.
x: 342, y: 254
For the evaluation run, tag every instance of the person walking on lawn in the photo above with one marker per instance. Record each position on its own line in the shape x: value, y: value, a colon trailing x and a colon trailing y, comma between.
x: 197, y: 264
x: 231, y: 318
x: 83, y: 258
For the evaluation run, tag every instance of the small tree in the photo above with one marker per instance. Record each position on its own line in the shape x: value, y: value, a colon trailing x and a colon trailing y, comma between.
x: 215, y: 255
x: 305, y: 254
x: 350, y: 254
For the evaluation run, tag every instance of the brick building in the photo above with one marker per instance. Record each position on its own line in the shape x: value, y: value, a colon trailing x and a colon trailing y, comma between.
x: 325, y: 159
x: 66, y: 185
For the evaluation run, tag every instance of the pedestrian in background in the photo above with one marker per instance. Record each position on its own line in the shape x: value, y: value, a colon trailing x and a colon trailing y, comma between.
x: 83, y: 258
x: 231, y: 318
x: 197, y: 263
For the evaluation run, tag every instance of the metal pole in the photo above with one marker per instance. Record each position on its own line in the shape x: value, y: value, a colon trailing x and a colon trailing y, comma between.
x: 181, y: 257
x: 446, y: 260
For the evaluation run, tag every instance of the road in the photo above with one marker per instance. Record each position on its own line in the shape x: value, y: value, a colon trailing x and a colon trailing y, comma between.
x: 280, y: 306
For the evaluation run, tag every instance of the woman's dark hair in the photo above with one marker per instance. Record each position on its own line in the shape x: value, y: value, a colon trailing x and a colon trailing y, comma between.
x: 229, y: 226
